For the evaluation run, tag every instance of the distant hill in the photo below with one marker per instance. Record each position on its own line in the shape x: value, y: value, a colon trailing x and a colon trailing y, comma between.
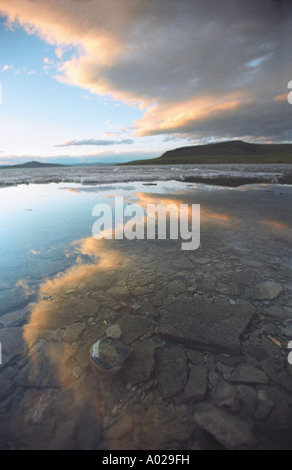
x: 234, y: 151
x: 32, y: 165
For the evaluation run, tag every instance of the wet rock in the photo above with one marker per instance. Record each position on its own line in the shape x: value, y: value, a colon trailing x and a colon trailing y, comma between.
x: 13, y: 344
x: 248, y: 398
x: 63, y: 439
x: 133, y: 327
x: 121, y: 428
x: 114, y: 331
x: 206, y: 285
x: 267, y: 290
x: 109, y: 355
x: 162, y: 424
x: 73, y: 332
x: 226, y: 396
x: 231, y: 431
x: 280, y: 417
x: 275, y: 369
x: 243, y: 277
x: 7, y: 381
x: 176, y: 287
x: 172, y: 370
x: 195, y: 389
x: 265, y: 406
x: 140, y: 365
x: 212, y: 327
x: 247, y: 373
x: 195, y: 357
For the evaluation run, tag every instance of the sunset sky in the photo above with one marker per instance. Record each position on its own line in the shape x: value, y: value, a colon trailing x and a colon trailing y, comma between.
x: 116, y: 80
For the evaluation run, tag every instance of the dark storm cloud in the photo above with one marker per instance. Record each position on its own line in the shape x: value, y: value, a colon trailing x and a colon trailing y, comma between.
x: 197, y: 68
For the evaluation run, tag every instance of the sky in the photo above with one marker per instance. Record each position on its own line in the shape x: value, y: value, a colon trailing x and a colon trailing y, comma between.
x: 119, y: 80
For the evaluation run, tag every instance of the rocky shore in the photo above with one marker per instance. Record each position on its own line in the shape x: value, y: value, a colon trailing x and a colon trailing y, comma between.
x: 207, y: 333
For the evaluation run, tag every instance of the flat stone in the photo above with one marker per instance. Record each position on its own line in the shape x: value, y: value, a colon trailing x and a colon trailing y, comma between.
x: 13, y: 344
x: 212, y: 327
x: 7, y: 381
x: 264, y: 407
x: 247, y: 373
x: 121, y: 428
x: 231, y: 431
x: 195, y: 389
x: 140, y: 365
x: 162, y: 424
x: 176, y: 287
x: 133, y: 327
x: 206, y: 285
x: 172, y: 370
x: 243, y: 277
x: 73, y: 332
x: 114, y: 331
x: 225, y: 396
x: 202, y: 260
x: 275, y: 369
x: 268, y: 290
x: 195, y: 357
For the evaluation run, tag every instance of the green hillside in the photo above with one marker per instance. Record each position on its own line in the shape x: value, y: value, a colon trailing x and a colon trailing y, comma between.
x: 235, y: 151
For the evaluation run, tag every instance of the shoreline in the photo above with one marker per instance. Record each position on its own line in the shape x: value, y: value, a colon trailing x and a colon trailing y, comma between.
x: 208, y: 333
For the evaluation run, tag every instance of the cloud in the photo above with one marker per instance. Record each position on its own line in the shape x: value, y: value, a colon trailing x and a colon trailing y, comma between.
x: 7, y: 67
x: 95, y: 142
x: 197, y: 69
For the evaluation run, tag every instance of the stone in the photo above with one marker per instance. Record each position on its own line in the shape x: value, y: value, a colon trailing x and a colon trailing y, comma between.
x: 268, y: 290
x: 243, y: 277
x: 206, y: 285
x: 133, y: 327
x: 172, y: 370
x: 195, y: 357
x: 140, y: 365
x: 114, y: 331
x: 225, y: 396
x: 176, y: 287
x: 207, y: 326
x: 109, y: 355
x: 7, y: 381
x: 264, y: 407
x: 248, y: 374
x: 121, y: 428
x: 162, y: 425
x: 280, y: 417
x: 202, y: 260
x: 248, y: 399
x: 73, y: 332
x: 231, y: 431
x: 275, y: 369
x: 13, y: 344
x: 195, y: 389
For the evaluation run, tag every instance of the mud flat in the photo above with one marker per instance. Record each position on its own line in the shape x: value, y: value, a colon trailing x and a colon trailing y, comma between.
x: 208, y: 332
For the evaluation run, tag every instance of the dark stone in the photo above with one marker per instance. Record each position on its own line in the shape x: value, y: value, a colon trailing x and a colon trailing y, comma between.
x: 195, y: 389
x: 172, y: 370
x: 140, y: 365
x: 275, y: 369
x: 226, y: 396
x: 212, y: 327
x: 13, y: 344
x: 247, y: 373
x: 133, y: 327
x: 231, y: 431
